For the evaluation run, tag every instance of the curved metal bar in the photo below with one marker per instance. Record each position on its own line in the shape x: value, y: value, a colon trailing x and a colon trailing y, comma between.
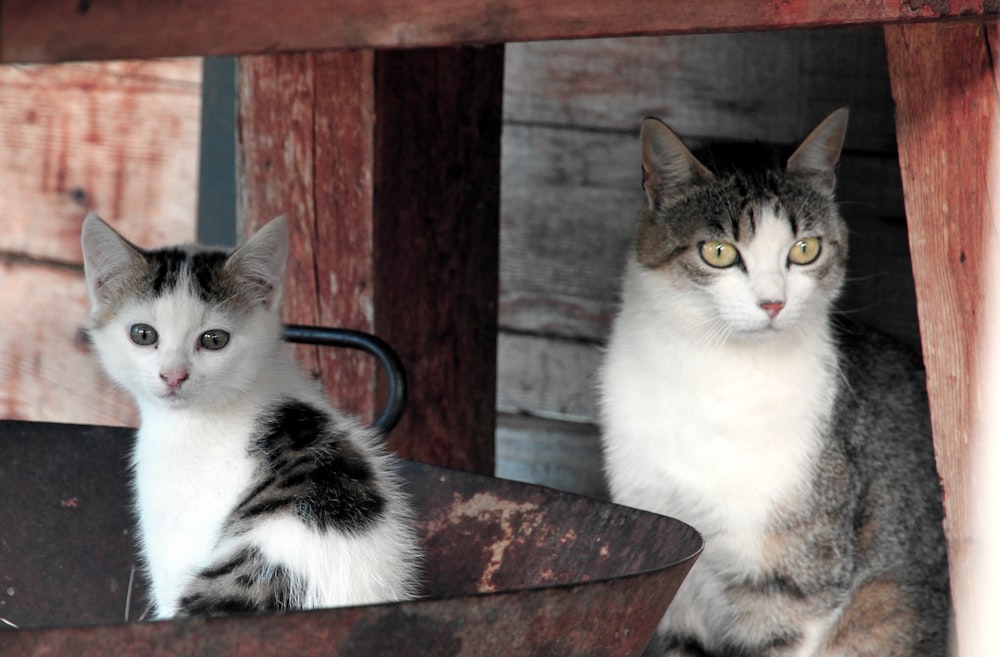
x: 376, y: 347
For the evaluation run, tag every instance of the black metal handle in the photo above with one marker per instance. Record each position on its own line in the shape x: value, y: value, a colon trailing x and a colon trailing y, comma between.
x: 372, y: 345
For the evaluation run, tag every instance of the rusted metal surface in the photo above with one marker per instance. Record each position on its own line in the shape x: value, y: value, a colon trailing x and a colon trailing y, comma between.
x: 511, y: 569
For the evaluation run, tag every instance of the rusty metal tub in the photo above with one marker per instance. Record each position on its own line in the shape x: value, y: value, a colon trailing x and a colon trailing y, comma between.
x: 511, y: 569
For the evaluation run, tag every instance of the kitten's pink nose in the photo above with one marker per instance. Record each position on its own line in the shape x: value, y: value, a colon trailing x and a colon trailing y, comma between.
x: 174, y: 378
x: 772, y: 308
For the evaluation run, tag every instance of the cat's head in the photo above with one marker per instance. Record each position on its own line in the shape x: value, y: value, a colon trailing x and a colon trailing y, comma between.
x: 746, y: 253
x: 188, y: 325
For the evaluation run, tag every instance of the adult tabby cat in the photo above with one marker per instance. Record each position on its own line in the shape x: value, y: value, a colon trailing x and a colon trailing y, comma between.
x: 252, y: 492
x: 731, y: 401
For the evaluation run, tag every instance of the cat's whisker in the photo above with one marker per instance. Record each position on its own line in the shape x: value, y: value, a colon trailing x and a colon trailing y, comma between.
x: 128, y: 593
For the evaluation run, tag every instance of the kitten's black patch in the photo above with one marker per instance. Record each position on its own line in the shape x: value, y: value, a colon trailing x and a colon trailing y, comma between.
x: 312, y: 468
x: 344, y: 494
x: 206, y: 268
x: 245, y: 583
x: 165, y: 267
x: 296, y: 425
x: 203, y: 271
x: 264, y: 506
x: 202, y: 605
x: 227, y: 567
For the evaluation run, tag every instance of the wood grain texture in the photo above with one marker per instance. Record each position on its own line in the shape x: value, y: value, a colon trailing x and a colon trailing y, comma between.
x: 561, y: 455
x: 767, y: 86
x: 546, y: 376
x: 387, y: 167
x: 47, y: 370
x: 57, y: 30
x: 305, y: 151
x: 436, y: 208
x: 119, y: 138
x: 945, y: 89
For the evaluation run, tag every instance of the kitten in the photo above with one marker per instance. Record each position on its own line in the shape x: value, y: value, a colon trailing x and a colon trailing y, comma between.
x: 252, y: 492
x: 730, y: 401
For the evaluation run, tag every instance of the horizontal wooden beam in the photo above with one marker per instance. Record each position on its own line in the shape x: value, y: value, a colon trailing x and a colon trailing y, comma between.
x: 65, y: 30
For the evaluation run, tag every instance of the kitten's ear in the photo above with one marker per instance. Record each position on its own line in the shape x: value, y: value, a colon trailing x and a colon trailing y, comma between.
x: 818, y: 154
x: 260, y: 262
x: 668, y: 167
x: 109, y: 260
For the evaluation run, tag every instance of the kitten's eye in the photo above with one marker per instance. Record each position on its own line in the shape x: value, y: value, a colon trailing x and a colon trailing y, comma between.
x: 719, y: 254
x: 806, y: 250
x: 143, y: 335
x: 214, y: 339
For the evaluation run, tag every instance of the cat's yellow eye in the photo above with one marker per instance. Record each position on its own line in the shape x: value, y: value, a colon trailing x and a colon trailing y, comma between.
x: 143, y: 335
x: 719, y: 254
x: 214, y: 339
x: 806, y: 250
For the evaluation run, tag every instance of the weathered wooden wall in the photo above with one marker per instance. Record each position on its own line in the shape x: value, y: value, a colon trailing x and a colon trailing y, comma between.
x: 571, y: 190
x: 119, y: 138
x: 122, y: 138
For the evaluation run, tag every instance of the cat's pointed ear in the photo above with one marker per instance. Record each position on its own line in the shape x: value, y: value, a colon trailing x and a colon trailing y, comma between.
x: 668, y: 167
x: 260, y: 262
x: 818, y: 154
x: 109, y: 260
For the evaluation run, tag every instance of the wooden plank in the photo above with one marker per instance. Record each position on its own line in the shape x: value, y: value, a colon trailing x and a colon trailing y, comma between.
x: 119, y: 138
x: 547, y: 377
x: 562, y: 455
x: 570, y: 198
x: 394, y: 222
x: 437, y: 229
x: 59, y: 30
x: 47, y: 369
x: 945, y: 89
x: 305, y: 150
x: 751, y: 86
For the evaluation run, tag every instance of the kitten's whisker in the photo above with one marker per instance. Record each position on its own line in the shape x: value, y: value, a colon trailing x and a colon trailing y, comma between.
x: 128, y: 593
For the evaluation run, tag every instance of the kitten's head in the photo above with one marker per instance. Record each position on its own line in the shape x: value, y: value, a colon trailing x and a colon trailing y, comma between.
x: 747, y: 253
x: 188, y: 325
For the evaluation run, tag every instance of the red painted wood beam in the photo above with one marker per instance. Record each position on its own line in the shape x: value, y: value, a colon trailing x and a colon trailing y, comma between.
x: 945, y: 86
x: 60, y: 30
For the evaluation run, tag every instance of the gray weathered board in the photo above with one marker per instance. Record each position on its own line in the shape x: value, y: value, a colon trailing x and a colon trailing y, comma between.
x: 570, y: 191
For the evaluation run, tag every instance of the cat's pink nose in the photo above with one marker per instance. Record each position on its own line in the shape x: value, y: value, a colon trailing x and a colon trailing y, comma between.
x: 174, y: 378
x: 772, y: 308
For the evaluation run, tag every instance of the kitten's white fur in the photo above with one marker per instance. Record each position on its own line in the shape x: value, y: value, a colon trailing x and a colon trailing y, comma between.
x: 192, y: 460
x: 712, y: 411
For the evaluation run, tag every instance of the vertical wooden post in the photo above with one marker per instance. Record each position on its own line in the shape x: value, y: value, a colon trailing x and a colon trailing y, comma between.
x: 945, y: 90
x: 387, y: 167
x: 437, y: 232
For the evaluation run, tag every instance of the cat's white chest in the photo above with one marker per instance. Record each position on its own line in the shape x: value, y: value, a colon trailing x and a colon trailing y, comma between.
x: 189, y: 473
x: 722, y: 438
x: 718, y: 437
